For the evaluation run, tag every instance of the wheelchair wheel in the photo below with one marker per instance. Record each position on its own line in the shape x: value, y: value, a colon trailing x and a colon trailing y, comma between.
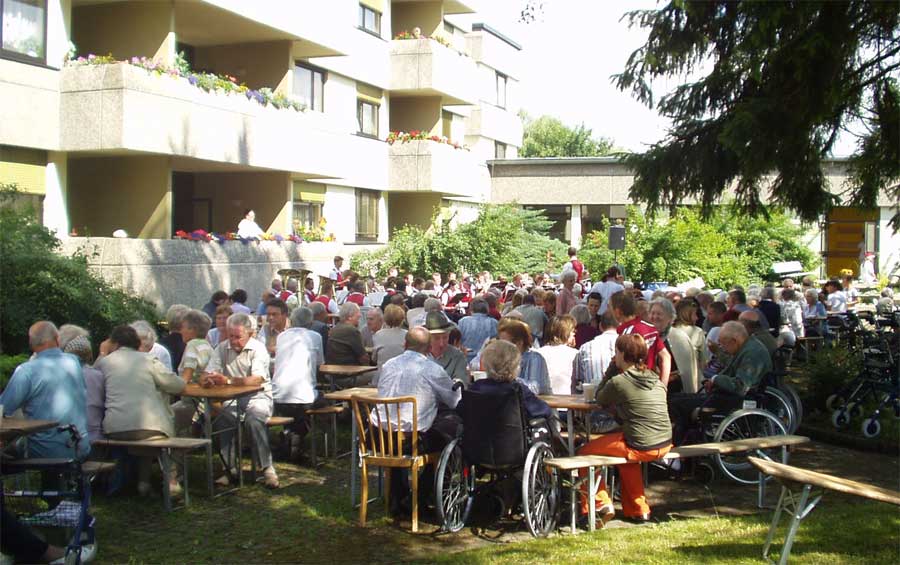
x: 778, y: 404
x: 835, y: 401
x: 451, y: 488
x: 748, y: 424
x: 840, y: 418
x: 540, y: 491
x: 796, y: 404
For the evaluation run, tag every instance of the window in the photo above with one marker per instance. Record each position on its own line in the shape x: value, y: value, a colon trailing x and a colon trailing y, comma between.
x: 499, y: 150
x: 367, y: 116
x: 307, y: 209
x: 23, y: 33
x: 501, y: 90
x: 369, y: 20
x: 367, y: 215
x: 309, y: 86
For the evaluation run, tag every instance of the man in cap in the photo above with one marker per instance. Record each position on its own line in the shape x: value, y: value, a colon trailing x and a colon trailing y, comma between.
x: 451, y: 359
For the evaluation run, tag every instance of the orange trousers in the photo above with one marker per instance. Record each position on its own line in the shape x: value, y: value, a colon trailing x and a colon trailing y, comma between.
x: 633, y: 501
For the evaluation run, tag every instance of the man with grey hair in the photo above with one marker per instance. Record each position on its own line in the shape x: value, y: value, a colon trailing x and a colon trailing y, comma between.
x: 431, y: 305
x: 345, y: 346
x: 566, y: 298
x: 769, y: 309
x: 750, y: 321
x: 147, y: 334
x: 477, y: 328
x: 750, y: 362
x: 49, y: 387
x: 173, y: 341
x: 319, y: 323
x: 298, y: 354
x: 374, y: 322
x: 242, y: 360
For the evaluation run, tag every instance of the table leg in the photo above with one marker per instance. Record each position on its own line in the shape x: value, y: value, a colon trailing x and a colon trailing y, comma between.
x: 592, y: 493
x: 775, y: 520
x: 354, y: 463
x: 572, y: 498
x: 570, y: 425
x: 207, y: 430
x: 240, y: 446
x: 800, y: 512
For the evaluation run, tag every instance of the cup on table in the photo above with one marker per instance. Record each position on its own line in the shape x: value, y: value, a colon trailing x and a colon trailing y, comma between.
x: 590, y: 390
x: 478, y: 375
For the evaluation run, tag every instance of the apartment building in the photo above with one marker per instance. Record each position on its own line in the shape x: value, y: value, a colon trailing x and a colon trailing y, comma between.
x: 140, y: 134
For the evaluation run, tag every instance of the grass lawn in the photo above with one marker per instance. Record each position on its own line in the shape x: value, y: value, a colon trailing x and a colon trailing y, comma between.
x: 309, y: 520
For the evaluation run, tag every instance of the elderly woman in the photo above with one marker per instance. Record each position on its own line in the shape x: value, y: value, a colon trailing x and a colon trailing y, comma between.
x: 639, y: 399
x: 173, y: 340
x: 791, y: 326
x: 585, y: 331
x: 501, y: 361
x: 678, y: 344
x: 559, y: 353
x: 566, y: 300
x: 814, y: 313
x: 77, y: 341
x: 219, y: 334
x: 147, y: 334
x: 686, y: 323
x: 532, y: 367
x: 136, y: 396
x: 389, y: 341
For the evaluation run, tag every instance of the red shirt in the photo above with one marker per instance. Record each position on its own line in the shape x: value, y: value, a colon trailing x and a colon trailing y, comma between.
x: 357, y: 298
x: 326, y: 300
x: 284, y: 295
x: 650, y: 335
x: 578, y: 267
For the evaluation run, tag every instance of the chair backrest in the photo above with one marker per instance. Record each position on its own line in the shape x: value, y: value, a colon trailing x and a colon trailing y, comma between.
x: 493, y: 428
x: 380, y: 432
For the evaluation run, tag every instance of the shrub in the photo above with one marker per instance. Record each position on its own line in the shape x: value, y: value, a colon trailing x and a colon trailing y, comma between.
x: 8, y: 364
x: 36, y: 283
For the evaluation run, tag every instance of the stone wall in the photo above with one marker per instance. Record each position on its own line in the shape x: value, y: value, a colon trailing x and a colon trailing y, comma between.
x: 170, y: 271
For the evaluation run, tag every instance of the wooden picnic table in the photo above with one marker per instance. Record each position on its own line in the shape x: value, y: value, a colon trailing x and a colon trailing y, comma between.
x: 351, y: 371
x: 14, y: 428
x: 222, y: 393
x: 571, y: 403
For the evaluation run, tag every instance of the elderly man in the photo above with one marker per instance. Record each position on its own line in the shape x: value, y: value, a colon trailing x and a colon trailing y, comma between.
x: 611, y: 283
x: 430, y: 305
x: 477, y: 328
x: 345, y: 346
x: 319, y: 323
x: 295, y: 298
x: 750, y: 362
x: 750, y: 321
x: 417, y: 310
x: 566, y: 300
x: 448, y: 357
x: 413, y: 373
x: 533, y: 315
x: 243, y: 361
x: 374, y: 322
x: 49, y: 387
x: 276, y: 322
x: 737, y: 304
x: 298, y: 356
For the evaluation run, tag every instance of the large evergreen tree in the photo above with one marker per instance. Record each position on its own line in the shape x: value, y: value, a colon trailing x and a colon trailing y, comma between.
x: 776, y: 83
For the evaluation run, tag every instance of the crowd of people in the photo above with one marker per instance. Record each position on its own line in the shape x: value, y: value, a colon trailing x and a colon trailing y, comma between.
x: 651, y: 357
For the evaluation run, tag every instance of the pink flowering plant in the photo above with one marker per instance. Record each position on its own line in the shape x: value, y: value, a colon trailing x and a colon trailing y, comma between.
x: 418, y: 135
x: 208, y: 82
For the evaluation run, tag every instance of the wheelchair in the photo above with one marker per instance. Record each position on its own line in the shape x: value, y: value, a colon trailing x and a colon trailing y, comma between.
x: 497, y: 445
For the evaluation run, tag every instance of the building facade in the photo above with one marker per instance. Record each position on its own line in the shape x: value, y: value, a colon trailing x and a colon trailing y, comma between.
x: 167, y: 116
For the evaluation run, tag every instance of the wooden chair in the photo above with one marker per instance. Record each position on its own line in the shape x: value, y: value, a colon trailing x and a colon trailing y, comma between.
x: 381, y: 444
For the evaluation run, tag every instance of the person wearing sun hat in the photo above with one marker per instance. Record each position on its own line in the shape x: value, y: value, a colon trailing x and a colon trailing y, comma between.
x: 451, y: 359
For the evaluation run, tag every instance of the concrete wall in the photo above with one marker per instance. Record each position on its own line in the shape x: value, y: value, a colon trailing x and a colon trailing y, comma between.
x: 130, y: 193
x: 340, y: 213
x: 174, y: 271
x: 268, y: 194
x: 266, y: 64
x: 123, y: 29
x: 412, y: 209
x: 427, y: 16
x: 432, y: 167
x: 426, y: 67
x: 422, y: 114
x: 368, y: 57
x: 488, y: 49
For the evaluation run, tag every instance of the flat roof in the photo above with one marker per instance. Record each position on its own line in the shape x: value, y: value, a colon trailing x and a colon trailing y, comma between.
x: 592, y: 161
x: 497, y: 34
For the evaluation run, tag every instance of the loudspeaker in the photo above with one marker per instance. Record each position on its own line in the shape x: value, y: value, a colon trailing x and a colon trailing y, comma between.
x: 617, y: 237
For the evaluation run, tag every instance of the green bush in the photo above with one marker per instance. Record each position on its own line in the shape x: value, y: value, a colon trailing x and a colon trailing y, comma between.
x: 829, y: 369
x: 503, y: 239
x: 36, y: 283
x: 8, y: 364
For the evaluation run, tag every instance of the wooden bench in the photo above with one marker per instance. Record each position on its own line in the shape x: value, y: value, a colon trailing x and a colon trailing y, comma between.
x: 89, y: 468
x: 591, y: 462
x: 162, y: 449
x: 798, y: 504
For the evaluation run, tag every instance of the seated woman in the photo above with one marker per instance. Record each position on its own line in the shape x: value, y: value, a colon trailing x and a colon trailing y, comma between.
x: 500, y: 359
x: 639, y: 398
x: 137, y: 404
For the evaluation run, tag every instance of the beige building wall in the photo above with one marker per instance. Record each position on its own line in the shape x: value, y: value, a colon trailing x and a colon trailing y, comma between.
x: 427, y: 16
x: 123, y: 29
x: 412, y: 209
x: 268, y: 194
x: 121, y: 192
x: 423, y: 114
x: 259, y: 65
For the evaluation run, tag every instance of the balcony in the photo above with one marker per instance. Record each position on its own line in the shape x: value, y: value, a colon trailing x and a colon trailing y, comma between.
x: 427, y: 166
x: 120, y: 108
x: 489, y: 121
x: 423, y: 67
x: 489, y: 47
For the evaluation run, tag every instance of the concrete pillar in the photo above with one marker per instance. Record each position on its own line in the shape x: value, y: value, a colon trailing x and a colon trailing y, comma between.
x: 575, y: 225
x: 56, y: 214
x: 169, y: 50
x: 384, y: 228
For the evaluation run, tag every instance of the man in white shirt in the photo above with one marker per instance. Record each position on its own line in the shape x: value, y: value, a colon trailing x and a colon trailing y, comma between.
x: 611, y: 284
x: 298, y: 354
x: 595, y: 356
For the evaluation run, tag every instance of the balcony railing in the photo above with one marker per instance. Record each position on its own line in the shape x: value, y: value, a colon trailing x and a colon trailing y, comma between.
x: 424, y: 67
x: 427, y: 166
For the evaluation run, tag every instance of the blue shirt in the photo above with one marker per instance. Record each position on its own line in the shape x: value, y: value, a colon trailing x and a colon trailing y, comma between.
x: 50, y: 387
x: 534, y: 374
x: 475, y: 330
